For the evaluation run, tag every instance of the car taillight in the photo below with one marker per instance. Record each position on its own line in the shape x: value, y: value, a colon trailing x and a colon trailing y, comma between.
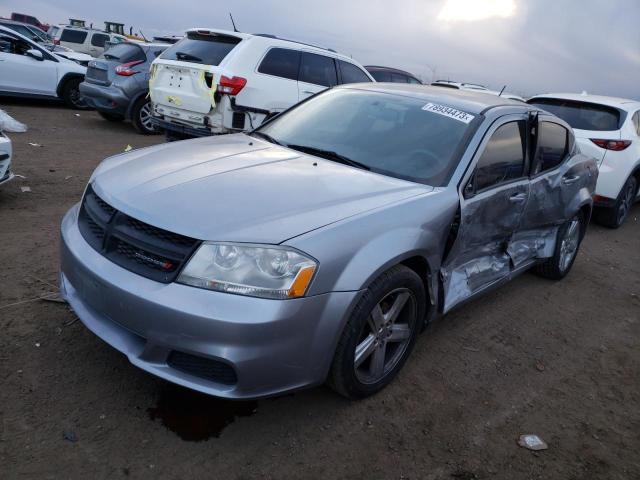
x: 615, y: 145
x: 231, y: 86
x: 125, y: 69
x: 56, y: 41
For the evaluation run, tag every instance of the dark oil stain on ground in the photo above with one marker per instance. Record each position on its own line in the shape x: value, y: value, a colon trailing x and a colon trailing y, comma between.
x: 194, y: 416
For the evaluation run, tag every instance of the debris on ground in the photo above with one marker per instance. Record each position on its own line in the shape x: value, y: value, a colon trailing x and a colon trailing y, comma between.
x: 532, y: 442
x: 37, y: 345
x: 25, y: 189
x: 540, y: 366
x: 53, y: 297
x: 69, y: 436
x: 128, y: 148
x: 10, y: 124
x: 68, y: 177
x: 33, y: 144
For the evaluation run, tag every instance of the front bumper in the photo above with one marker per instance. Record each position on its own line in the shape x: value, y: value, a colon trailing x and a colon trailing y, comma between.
x: 273, y: 346
x: 7, y: 177
x: 109, y: 99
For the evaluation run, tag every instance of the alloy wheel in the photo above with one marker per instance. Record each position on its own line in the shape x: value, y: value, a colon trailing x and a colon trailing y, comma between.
x: 626, y: 202
x: 386, y: 335
x: 145, y: 117
x: 569, y: 245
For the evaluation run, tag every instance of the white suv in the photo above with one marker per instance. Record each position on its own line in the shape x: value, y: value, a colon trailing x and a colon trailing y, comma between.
x: 215, y: 81
x: 29, y: 70
x: 85, y: 40
x: 608, y: 129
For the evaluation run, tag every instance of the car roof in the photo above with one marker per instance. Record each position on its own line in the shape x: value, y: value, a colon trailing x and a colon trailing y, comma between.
x: 378, y: 68
x: 469, y: 101
x: 274, y: 40
x: 616, y: 102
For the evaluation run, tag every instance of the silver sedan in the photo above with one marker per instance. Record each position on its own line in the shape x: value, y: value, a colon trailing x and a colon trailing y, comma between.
x: 316, y: 248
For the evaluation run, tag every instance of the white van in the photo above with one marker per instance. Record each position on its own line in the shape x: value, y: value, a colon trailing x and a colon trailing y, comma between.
x: 216, y: 81
x: 85, y: 40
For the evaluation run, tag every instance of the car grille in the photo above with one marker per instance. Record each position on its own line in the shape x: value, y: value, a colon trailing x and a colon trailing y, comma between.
x: 206, y: 368
x: 140, y: 248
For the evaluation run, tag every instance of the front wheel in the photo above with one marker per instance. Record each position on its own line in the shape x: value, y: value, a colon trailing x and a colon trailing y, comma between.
x: 141, y: 117
x: 71, y: 95
x: 567, y: 244
x: 379, y: 334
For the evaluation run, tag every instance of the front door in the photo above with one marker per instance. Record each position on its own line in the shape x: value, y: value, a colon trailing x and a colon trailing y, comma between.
x: 492, y: 201
x: 20, y: 73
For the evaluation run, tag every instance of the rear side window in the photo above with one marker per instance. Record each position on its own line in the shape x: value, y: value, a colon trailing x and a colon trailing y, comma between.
x: 318, y: 70
x: 352, y: 74
x: 98, y: 39
x: 503, y: 157
x: 399, y: 78
x: 551, y: 148
x: 281, y: 62
x: 202, y: 48
x: 581, y: 115
x: 414, y: 81
x: 73, y: 36
x: 381, y: 76
x: 124, y: 53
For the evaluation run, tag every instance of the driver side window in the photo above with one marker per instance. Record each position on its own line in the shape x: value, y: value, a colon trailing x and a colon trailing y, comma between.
x: 12, y: 45
x: 503, y: 158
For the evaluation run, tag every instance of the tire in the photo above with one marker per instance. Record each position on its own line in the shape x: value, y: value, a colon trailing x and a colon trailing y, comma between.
x: 112, y: 117
x: 141, y: 117
x: 380, y: 355
x: 70, y: 94
x: 615, y: 216
x: 568, y: 241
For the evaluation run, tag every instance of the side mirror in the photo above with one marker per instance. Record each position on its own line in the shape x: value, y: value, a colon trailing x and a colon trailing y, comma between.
x: 37, y: 54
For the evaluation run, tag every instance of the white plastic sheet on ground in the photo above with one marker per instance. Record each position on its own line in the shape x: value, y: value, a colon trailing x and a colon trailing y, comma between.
x: 10, y: 124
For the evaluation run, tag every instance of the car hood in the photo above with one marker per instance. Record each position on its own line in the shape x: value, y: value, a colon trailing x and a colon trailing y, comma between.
x: 239, y: 188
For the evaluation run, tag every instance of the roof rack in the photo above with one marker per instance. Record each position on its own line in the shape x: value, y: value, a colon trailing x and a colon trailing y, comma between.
x: 269, y: 35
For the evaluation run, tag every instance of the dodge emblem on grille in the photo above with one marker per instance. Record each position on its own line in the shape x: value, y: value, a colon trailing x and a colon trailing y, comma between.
x: 164, y: 264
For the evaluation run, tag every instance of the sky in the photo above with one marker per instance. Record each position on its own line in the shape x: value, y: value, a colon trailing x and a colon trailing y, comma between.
x: 531, y: 46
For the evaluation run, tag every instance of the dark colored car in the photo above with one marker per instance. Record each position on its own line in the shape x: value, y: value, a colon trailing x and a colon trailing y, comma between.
x: 117, y: 84
x: 31, y: 20
x: 393, y: 75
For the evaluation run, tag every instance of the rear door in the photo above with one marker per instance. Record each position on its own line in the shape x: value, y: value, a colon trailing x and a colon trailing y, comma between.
x: 96, y: 43
x: 275, y: 86
x: 317, y: 73
x: 75, y: 40
x: 491, y: 205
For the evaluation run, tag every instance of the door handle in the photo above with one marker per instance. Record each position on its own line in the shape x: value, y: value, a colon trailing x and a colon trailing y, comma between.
x: 569, y: 179
x: 518, y: 198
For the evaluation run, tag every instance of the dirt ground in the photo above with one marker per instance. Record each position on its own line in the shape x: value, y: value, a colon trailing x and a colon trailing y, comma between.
x: 560, y: 360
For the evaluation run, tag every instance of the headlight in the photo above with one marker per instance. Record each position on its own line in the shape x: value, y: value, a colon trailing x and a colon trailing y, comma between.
x: 253, y: 270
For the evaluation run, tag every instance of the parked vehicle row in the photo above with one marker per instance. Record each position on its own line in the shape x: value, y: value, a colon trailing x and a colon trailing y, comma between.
x: 316, y: 248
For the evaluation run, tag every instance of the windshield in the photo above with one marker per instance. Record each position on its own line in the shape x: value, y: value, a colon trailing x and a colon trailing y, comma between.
x: 200, y: 48
x: 385, y: 133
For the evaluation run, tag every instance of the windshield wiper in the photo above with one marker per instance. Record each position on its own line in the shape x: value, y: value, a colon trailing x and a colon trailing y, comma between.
x: 329, y: 155
x: 268, y: 138
x: 187, y: 56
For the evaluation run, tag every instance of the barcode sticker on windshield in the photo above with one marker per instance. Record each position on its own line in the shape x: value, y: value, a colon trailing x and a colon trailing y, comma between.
x: 449, y: 112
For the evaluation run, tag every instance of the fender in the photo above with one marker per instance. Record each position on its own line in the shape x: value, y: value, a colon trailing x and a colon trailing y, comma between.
x: 133, y: 100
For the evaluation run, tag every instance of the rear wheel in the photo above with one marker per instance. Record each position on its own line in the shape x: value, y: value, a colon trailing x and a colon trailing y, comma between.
x: 70, y: 94
x: 567, y: 244
x: 379, y: 335
x: 615, y: 216
x: 112, y: 117
x: 141, y: 117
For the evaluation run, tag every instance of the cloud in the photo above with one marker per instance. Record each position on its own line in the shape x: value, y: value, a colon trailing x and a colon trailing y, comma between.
x: 531, y: 46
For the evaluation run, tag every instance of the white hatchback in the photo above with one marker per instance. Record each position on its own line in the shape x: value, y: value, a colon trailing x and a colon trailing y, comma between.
x: 215, y: 81
x: 608, y: 129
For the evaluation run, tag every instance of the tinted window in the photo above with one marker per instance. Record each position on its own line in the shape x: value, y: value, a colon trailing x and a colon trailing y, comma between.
x: 318, y: 69
x: 503, y: 157
x: 9, y: 44
x: 205, y: 49
x: 390, y: 134
x: 73, y: 36
x: 381, y: 76
x: 98, y: 39
x: 281, y: 62
x: 551, y: 148
x: 352, y: 74
x: 415, y: 81
x: 124, y: 53
x: 581, y: 115
x: 399, y: 78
